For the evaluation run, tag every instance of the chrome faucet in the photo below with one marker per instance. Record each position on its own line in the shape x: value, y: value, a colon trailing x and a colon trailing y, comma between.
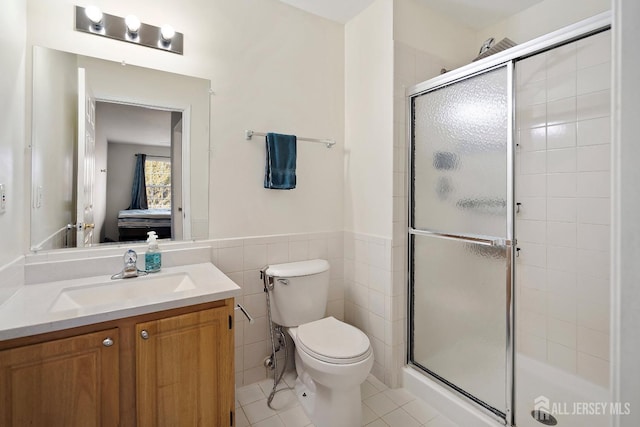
x: 130, y: 268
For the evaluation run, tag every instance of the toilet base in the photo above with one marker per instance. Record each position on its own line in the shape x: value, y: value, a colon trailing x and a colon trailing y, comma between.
x: 330, y: 408
x: 306, y: 397
x: 339, y: 405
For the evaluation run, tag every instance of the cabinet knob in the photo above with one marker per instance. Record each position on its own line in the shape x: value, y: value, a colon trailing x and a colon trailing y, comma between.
x: 144, y: 334
x: 107, y: 342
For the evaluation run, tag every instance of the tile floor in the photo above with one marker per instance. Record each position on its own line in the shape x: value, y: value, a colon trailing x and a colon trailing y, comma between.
x: 381, y: 407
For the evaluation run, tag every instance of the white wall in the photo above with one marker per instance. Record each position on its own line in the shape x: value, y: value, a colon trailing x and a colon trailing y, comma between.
x: 272, y: 67
x: 12, y: 122
x: 541, y: 19
x: 626, y: 201
x: 421, y: 28
x: 369, y: 121
x: 54, y: 139
x: 276, y: 69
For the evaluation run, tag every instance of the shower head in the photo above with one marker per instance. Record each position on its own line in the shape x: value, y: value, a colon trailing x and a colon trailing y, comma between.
x: 486, y: 45
x: 489, y: 48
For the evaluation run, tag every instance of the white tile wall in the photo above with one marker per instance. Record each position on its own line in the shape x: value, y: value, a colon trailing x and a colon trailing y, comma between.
x: 369, y: 299
x: 560, y: 161
x: 558, y: 136
x: 563, y: 228
x: 594, y: 131
x: 534, y: 139
x: 561, y: 60
x: 594, y: 105
x: 533, y: 208
x: 560, y: 86
x: 242, y: 259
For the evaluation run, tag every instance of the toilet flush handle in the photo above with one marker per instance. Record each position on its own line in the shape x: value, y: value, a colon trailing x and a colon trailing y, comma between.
x: 284, y: 281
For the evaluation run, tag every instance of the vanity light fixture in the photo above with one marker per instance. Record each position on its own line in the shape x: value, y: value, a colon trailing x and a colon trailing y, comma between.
x: 167, y: 33
x: 91, y: 20
x: 133, y: 25
x: 95, y: 15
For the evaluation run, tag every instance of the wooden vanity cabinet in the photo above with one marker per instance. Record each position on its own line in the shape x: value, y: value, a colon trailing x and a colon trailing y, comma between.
x: 182, y: 370
x: 170, y: 368
x: 62, y: 383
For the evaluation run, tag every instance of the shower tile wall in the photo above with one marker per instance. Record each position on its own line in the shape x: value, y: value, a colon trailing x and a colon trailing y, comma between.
x: 563, y: 227
x: 411, y: 66
x: 242, y: 259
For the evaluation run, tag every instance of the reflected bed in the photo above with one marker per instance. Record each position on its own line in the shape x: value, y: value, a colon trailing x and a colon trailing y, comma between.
x: 133, y: 224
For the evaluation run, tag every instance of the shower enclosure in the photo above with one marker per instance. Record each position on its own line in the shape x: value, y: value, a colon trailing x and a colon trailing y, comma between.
x: 461, y: 228
x: 501, y: 152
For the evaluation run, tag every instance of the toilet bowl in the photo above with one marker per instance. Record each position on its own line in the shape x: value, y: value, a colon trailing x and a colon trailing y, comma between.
x: 332, y: 358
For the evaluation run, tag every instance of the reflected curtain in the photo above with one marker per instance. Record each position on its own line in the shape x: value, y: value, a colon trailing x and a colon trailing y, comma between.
x: 139, y: 188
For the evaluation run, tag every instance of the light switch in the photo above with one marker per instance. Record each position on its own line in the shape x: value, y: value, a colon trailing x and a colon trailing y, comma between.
x: 3, y: 199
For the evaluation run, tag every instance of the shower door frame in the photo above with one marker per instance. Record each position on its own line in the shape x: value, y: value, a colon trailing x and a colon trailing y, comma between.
x: 508, y: 58
x: 425, y: 88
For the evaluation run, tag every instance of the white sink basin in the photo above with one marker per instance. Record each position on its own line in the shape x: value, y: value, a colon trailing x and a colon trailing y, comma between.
x: 52, y: 306
x: 122, y: 290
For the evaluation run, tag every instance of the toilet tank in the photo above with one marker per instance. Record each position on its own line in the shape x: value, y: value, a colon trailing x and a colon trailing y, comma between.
x: 300, y: 291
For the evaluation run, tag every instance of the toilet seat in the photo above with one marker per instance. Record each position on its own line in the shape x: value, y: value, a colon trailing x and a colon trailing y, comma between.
x: 333, y: 341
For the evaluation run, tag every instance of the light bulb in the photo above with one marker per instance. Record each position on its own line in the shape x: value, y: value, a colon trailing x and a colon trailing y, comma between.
x: 95, y: 15
x: 167, y: 32
x: 133, y: 23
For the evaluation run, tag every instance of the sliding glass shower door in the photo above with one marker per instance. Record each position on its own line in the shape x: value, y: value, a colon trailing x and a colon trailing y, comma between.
x: 461, y: 236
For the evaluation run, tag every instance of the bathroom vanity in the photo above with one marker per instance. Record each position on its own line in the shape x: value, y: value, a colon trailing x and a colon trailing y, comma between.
x: 163, y: 360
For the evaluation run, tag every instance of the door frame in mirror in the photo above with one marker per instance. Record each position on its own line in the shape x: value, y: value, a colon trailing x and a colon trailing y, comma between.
x: 185, y: 157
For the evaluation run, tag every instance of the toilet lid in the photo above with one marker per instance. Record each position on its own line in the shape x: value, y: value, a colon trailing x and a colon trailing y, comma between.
x: 333, y: 341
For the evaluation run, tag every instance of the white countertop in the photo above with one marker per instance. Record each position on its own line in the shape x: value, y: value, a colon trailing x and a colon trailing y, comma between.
x: 29, y: 310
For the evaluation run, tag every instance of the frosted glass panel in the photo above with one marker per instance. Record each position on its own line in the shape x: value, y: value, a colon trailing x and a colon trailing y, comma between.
x: 459, y: 311
x: 460, y: 157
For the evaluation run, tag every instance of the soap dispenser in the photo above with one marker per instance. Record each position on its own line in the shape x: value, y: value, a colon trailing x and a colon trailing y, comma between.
x: 153, y: 257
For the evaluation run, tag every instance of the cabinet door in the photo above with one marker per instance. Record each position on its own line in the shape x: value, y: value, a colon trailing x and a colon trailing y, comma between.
x: 184, y: 370
x: 71, y: 382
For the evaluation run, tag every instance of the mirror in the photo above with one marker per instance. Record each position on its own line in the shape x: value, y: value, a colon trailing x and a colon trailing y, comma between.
x: 82, y: 187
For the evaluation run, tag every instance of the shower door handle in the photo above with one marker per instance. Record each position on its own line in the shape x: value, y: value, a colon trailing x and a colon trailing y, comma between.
x: 469, y: 238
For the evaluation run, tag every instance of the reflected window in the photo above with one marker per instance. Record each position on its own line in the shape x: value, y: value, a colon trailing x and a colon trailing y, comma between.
x: 157, y: 171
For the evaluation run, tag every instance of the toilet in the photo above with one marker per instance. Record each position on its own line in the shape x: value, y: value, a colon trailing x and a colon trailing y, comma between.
x: 332, y: 357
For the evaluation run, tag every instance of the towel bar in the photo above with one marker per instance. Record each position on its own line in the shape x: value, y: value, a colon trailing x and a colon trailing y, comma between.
x: 248, y: 134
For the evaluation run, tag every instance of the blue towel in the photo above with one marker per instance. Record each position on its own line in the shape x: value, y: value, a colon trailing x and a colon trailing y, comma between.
x: 280, y: 169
